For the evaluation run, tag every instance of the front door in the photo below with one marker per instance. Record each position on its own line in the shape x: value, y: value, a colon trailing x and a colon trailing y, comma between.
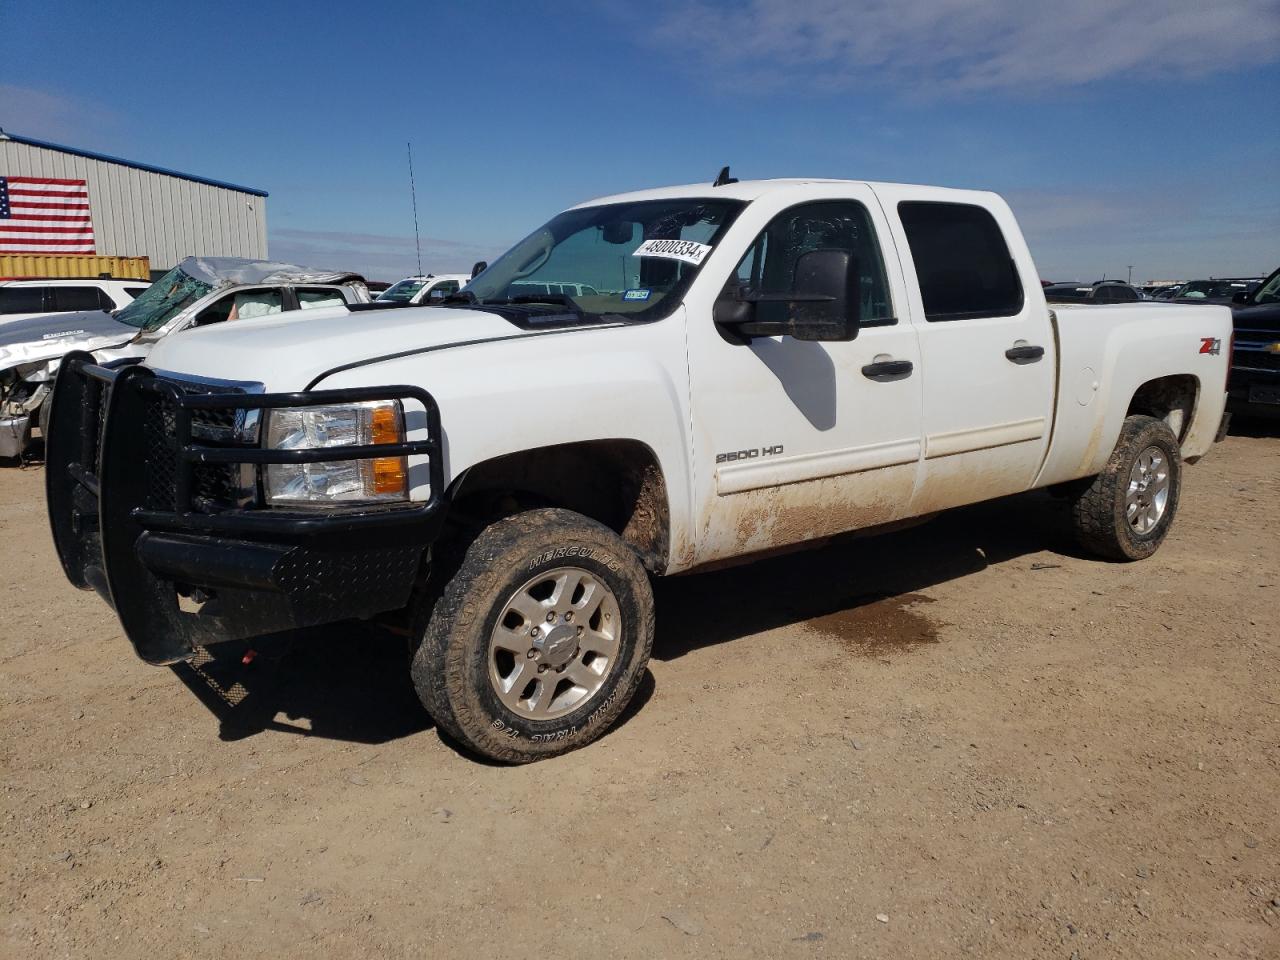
x: 797, y: 440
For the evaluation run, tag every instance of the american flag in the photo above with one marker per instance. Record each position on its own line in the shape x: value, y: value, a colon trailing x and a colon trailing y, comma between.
x: 44, y: 215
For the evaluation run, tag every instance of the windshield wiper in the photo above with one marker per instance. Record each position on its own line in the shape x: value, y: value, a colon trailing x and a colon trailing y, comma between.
x: 552, y: 298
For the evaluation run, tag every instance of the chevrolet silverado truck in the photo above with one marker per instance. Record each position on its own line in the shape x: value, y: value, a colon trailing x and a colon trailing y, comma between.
x: 756, y: 365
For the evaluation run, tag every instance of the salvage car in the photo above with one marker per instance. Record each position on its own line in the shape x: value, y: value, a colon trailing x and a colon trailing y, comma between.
x: 1254, y: 387
x: 198, y: 292
x: 785, y: 361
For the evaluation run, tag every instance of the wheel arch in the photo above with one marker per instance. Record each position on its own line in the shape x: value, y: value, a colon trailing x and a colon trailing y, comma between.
x: 1169, y: 398
x: 617, y: 482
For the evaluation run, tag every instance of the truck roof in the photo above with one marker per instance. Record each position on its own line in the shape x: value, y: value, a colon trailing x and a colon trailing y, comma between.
x: 753, y: 189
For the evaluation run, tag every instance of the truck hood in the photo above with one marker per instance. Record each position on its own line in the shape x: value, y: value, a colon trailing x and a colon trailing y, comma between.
x: 290, y: 351
x: 52, y: 336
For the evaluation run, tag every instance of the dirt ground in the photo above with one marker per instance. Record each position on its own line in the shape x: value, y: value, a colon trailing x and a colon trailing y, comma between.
x: 962, y: 739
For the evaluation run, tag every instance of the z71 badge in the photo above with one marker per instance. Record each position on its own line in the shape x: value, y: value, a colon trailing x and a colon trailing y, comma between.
x: 1210, y: 345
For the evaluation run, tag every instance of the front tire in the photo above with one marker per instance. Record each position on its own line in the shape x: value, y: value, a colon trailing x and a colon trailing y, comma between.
x: 540, y: 639
x: 1126, y: 512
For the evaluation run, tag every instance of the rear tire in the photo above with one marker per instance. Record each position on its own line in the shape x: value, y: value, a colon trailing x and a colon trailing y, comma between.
x: 1127, y: 510
x: 540, y: 639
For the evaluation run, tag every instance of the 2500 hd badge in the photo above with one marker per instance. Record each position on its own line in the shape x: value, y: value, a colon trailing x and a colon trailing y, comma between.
x: 752, y: 454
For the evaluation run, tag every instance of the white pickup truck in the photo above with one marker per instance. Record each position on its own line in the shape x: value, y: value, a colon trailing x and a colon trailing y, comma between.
x: 756, y: 365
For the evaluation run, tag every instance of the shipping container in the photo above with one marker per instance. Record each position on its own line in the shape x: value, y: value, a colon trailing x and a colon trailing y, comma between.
x: 14, y: 266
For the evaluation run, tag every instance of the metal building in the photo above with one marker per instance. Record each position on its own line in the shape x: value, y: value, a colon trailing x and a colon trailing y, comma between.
x: 142, y: 210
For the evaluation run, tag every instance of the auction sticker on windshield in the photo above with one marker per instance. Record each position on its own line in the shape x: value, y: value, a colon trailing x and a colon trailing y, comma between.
x: 686, y: 250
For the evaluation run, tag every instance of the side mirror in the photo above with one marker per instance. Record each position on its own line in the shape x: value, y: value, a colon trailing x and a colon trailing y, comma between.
x: 480, y: 267
x: 823, y: 304
x: 1242, y: 297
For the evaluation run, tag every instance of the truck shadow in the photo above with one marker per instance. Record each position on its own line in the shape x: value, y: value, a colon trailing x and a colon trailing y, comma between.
x: 856, y: 583
x: 350, y: 681
x: 345, y: 681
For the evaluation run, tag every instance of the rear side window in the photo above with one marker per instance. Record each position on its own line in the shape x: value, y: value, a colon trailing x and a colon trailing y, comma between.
x: 78, y: 298
x: 322, y: 297
x: 134, y: 291
x: 962, y: 262
x: 21, y: 299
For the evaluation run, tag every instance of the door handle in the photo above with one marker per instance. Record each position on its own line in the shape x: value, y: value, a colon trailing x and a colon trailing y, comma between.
x: 885, y: 371
x: 1024, y: 353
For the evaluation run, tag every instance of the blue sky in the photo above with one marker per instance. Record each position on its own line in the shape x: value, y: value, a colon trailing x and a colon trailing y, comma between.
x: 1143, y: 133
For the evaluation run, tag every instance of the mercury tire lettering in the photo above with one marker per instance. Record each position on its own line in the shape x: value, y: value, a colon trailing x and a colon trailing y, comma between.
x: 686, y: 250
x: 585, y: 553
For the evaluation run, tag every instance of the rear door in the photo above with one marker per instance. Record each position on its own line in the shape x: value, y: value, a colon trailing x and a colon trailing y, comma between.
x: 987, y: 351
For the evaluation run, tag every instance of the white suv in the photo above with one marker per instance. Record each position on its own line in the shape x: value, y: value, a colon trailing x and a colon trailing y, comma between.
x: 20, y: 299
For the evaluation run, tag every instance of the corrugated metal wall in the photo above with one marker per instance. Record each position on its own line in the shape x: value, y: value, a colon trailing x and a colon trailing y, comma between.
x: 138, y: 213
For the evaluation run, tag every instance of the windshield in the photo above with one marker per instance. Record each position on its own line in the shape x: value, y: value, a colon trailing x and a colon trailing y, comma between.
x: 1270, y: 292
x: 403, y: 291
x: 631, y: 259
x: 163, y: 300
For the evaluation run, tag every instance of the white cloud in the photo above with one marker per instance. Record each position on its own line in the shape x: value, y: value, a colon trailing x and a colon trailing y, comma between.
x: 943, y: 47
x: 51, y: 116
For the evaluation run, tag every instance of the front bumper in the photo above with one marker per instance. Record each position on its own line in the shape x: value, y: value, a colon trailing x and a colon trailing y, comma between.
x: 1253, y: 388
x: 141, y: 512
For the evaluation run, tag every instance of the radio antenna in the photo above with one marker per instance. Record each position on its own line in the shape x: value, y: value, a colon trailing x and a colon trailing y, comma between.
x: 413, y: 192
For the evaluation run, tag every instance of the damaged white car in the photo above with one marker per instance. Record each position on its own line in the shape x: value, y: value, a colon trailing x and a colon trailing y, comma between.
x: 198, y: 292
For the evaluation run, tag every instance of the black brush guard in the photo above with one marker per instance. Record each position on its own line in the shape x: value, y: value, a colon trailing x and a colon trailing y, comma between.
x: 145, y: 514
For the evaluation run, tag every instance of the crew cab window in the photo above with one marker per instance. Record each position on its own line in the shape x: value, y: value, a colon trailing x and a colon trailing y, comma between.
x: 21, y: 299
x: 962, y: 261
x: 80, y: 298
x: 134, y: 291
x: 242, y: 305
x: 769, y: 265
x: 319, y: 297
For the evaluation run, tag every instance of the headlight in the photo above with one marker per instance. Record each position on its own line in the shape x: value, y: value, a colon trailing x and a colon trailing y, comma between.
x: 341, y: 425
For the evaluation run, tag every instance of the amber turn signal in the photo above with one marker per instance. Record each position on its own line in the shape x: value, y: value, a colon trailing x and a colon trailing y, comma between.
x: 389, y: 473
